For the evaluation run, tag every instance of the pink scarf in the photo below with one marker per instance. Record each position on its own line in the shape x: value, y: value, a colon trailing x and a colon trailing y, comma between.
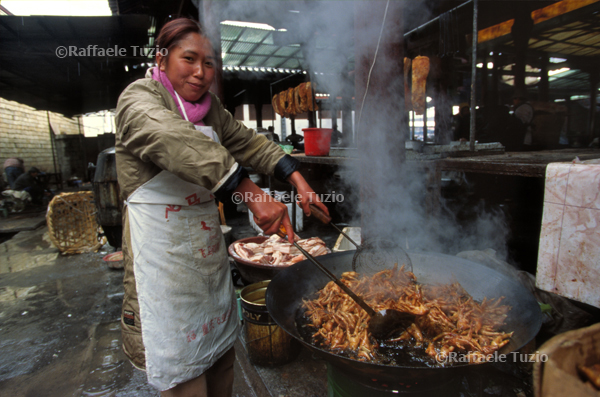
x: 196, y: 111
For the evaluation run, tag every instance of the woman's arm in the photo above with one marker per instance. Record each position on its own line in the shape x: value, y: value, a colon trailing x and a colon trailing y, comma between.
x: 268, y: 212
x: 306, y: 194
x: 149, y: 132
x: 247, y: 147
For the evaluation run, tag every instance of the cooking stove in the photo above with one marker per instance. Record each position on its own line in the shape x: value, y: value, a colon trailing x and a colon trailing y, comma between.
x: 489, y: 380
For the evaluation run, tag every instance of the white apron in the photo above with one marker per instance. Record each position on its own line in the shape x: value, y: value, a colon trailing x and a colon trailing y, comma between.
x: 185, y: 292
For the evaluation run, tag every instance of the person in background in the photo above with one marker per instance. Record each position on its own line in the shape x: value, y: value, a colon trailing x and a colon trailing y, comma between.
x: 28, y: 182
x: 13, y: 168
x: 272, y: 131
x: 177, y: 149
x: 523, y: 111
x: 462, y: 123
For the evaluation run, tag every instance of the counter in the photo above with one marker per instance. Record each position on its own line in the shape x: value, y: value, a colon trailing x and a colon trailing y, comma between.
x: 529, y: 164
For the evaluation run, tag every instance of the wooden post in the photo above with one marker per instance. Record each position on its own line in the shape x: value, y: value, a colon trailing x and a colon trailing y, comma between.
x: 521, y: 31
x: 346, y: 107
x: 347, y: 133
x: 485, y: 94
x: 495, y: 97
x: 594, y: 77
x: 258, y: 111
x: 442, y: 102
x: 544, y: 85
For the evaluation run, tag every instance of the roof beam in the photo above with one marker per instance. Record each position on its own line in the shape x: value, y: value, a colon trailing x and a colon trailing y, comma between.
x: 538, y: 16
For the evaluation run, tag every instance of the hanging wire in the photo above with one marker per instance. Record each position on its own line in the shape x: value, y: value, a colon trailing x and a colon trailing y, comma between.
x: 372, y: 66
x: 448, y: 33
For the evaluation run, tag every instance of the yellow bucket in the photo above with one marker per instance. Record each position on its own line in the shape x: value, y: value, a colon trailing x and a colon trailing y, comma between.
x: 266, y: 343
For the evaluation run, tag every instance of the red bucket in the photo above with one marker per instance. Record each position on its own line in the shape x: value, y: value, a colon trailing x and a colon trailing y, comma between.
x: 317, y: 141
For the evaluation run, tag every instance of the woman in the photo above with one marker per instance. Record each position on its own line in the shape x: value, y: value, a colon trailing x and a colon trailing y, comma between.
x: 177, y: 149
x: 13, y: 168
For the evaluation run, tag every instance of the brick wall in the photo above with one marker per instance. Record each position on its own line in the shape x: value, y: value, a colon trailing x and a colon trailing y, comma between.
x: 24, y: 133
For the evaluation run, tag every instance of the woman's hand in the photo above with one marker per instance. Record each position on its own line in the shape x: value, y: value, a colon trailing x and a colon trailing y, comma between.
x: 268, y: 212
x: 306, y: 195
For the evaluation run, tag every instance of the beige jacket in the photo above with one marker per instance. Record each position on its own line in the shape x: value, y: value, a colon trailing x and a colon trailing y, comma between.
x: 152, y: 136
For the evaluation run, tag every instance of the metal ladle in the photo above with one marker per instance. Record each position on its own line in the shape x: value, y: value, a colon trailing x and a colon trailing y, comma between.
x: 374, y: 255
x: 382, y: 323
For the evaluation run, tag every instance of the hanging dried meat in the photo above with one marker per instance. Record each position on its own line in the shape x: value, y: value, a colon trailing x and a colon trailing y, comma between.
x: 420, y: 70
x: 291, y: 108
x: 310, y: 98
x: 295, y: 100
x: 407, y: 95
x: 283, y: 104
x: 275, y: 104
x: 303, y: 95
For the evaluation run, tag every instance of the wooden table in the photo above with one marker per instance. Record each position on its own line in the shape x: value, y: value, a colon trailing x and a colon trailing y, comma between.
x: 526, y: 164
x: 529, y: 164
x: 329, y: 160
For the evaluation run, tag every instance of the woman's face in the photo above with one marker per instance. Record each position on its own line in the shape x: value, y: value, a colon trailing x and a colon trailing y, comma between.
x: 190, y: 66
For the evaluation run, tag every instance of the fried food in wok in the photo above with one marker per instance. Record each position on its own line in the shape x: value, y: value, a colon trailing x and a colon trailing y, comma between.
x: 447, y: 320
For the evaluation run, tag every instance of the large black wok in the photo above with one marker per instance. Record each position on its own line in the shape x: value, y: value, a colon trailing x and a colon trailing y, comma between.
x: 288, y: 287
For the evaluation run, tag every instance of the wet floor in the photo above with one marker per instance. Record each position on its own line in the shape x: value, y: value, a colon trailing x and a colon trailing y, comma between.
x: 60, y: 330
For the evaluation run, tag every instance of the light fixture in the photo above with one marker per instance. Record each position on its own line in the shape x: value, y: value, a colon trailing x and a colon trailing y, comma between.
x: 253, y: 25
x: 558, y: 71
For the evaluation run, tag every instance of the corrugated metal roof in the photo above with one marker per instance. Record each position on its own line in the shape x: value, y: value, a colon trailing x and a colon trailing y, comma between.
x: 255, y: 47
x: 581, y: 38
x: 573, y: 35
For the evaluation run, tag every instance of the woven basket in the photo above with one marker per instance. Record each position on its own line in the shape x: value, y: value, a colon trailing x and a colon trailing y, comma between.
x: 558, y: 375
x: 72, y: 223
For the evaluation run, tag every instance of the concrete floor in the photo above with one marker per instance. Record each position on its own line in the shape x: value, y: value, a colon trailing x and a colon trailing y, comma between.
x: 60, y: 328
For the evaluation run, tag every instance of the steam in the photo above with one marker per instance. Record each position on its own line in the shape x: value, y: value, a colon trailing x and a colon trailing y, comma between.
x: 401, y: 210
x: 398, y: 193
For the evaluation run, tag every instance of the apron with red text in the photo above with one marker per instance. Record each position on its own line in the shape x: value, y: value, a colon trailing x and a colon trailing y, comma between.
x: 185, y: 292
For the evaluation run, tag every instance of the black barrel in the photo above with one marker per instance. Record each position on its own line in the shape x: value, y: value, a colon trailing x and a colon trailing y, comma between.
x: 107, y: 197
